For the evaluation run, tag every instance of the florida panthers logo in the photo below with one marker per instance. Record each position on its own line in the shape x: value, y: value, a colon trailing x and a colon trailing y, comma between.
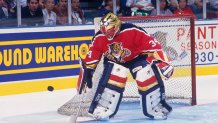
x: 116, y: 52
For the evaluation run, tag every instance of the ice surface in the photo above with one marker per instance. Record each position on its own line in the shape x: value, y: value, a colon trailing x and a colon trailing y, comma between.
x: 128, y: 113
x: 41, y: 107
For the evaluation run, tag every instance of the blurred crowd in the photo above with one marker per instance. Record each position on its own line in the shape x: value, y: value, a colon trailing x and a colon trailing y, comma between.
x: 56, y: 12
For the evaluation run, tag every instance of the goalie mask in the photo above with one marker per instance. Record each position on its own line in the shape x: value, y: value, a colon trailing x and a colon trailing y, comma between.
x: 110, y: 25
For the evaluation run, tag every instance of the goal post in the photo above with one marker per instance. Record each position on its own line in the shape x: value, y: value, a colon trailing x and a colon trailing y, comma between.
x: 176, y: 35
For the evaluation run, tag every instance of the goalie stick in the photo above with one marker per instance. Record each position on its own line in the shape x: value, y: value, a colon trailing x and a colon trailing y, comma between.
x: 81, y: 88
x: 81, y: 83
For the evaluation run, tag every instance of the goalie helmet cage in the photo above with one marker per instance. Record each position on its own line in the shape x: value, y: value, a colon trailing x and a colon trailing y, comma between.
x: 176, y: 35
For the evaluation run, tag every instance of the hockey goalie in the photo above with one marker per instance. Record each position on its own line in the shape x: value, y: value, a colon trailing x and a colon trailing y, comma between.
x: 126, y: 47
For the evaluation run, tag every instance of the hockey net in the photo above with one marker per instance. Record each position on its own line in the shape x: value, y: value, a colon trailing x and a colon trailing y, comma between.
x: 176, y: 35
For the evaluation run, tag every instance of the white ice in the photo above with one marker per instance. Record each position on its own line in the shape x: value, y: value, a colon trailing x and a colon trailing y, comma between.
x: 41, y: 107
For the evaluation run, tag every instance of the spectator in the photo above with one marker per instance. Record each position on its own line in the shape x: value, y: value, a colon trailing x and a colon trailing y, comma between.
x: 48, y: 15
x: 13, y: 3
x: 183, y: 8
x: 163, y: 8
x: 42, y: 4
x: 123, y: 3
x: 12, y: 6
x: 212, y: 9
x: 213, y: 4
x: 102, y: 3
x: 173, y: 5
x: 197, y: 8
x: 126, y: 11
x: 190, y: 2
x: 61, y: 12
x: 109, y: 8
x: 23, y: 3
x: 99, y: 3
x: 140, y: 6
x: 3, y: 10
x: 31, y: 14
x: 77, y: 13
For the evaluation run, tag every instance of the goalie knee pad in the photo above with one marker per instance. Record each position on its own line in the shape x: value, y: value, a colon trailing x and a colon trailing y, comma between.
x: 109, y: 93
x: 144, y: 76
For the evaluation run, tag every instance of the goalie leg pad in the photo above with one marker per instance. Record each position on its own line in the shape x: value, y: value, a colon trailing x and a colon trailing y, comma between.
x: 163, y: 102
x: 109, y: 92
x: 152, y: 105
x: 108, y: 104
x: 151, y: 89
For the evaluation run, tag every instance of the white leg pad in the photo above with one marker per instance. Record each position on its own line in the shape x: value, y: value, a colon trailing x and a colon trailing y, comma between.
x: 152, y: 107
x: 107, y: 104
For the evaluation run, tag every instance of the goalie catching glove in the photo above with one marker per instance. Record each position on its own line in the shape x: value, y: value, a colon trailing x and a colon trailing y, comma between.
x: 165, y: 69
x: 160, y: 59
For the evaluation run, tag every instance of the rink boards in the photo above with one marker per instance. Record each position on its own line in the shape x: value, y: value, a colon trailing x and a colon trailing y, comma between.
x: 31, y: 59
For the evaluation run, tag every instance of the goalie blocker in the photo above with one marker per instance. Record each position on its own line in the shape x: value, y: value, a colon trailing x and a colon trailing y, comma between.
x: 109, y: 93
x: 85, y: 77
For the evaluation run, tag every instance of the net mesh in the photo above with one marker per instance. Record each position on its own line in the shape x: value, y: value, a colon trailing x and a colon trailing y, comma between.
x: 174, y: 36
x: 80, y: 103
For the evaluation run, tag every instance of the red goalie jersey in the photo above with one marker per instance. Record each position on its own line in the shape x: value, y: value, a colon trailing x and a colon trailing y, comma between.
x: 129, y: 43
